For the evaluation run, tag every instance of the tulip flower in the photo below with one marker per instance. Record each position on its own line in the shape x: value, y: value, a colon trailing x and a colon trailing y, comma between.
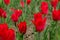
x: 7, y: 2
x: 54, y: 3
x: 18, y: 12
x: 44, y: 7
x: 39, y: 22
x: 3, y: 28
x: 37, y: 15
x: 28, y: 2
x: 56, y: 15
x: 3, y: 13
x: 22, y: 4
x: 22, y: 27
x: 14, y: 17
x: 10, y: 34
x: 5, y: 33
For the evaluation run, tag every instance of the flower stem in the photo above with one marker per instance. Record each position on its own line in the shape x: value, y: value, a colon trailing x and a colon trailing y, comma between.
x: 0, y: 19
x: 53, y: 30
x: 37, y: 36
x: 15, y: 24
x: 46, y: 34
x: 19, y: 36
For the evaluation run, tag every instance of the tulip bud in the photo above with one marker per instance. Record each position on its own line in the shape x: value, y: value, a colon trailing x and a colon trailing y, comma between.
x: 44, y: 7
x: 22, y: 27
x: 14, y: 18
x: 54, y: 3
x: 28, y: 2
x: 7, y: 2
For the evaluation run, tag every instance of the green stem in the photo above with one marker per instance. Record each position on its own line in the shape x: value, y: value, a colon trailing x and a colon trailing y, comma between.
x: 15, y: 24
x: 19, y: 36
x: 46, y: 33
x: 1, y: 19
x: 53, y: 31
x: 37, y: 35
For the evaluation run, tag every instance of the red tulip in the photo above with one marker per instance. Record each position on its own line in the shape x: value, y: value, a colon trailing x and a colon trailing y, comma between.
x: 2, y: 13
x: 44, y: 7
x: 3, y: 28
x: 14, y: 17
x: 5, y: 33
x: 22, y: 27
x: 39, y: 22
x: 37, y: 15
x: 7, y: 2
x: 56, y: 15
x: 28, y: 1
x: 22, y: 4
x: 54, y: 3
x: 10, y: 34
x: 18, y: 12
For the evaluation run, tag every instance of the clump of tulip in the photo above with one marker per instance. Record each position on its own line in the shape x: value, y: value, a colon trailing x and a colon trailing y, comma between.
x: 39, y: 19
x: 16, y: 14
x: 6, y: 33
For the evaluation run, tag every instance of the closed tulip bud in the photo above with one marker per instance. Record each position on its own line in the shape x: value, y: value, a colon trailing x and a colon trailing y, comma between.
x: 28, y: 2
x: 4, y: 14
x: 44, y: 7
x: 22, y: 27
x: 14, y: 18
x: 54, y: 3
x: 56, y: 15
x: 22, y: 4
x: 18, y: 12
x: 7, y: 2
x: 1, y: 11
